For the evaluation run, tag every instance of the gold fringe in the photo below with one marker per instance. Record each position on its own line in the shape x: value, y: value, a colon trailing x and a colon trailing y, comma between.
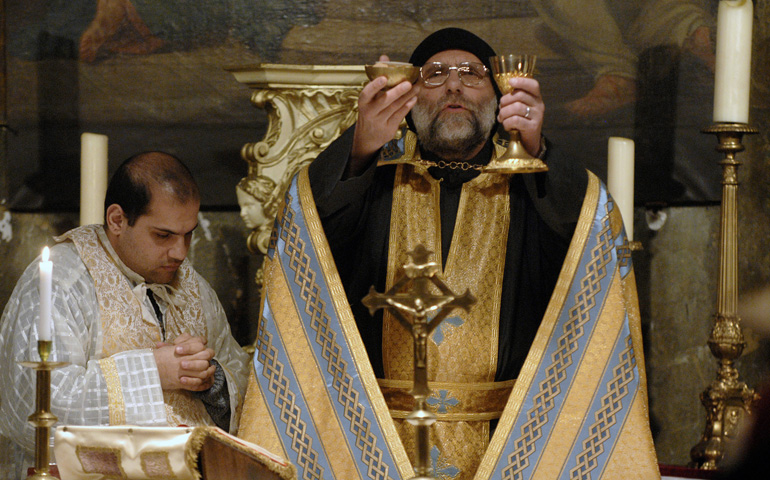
x: 198, y: 439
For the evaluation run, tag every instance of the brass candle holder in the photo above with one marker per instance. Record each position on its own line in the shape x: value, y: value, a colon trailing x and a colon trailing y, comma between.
x: 42, y: 419
x: 727, y: 400
x: 411, y: 309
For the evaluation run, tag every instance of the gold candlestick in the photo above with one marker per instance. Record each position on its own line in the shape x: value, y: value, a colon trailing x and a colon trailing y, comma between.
x: 727, y: 400
x: 42, y: 419
x: 416, y: 305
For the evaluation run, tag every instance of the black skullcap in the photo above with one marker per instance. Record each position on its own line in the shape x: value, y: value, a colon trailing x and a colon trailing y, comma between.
x: 451, y: 39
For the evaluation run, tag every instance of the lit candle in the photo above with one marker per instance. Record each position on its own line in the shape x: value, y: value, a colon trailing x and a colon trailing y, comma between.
x: 46, y: 273
x: 93, y: 177
x: 732, y: 78
x: 620, y: 179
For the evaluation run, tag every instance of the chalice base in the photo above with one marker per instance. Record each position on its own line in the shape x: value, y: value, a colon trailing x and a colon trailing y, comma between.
x: 516, y: 160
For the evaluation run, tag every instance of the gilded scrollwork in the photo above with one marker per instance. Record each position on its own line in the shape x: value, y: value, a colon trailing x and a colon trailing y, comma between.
x: 307, y: 108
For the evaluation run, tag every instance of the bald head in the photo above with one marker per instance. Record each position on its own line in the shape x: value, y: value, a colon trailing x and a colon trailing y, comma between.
x: 136, y: 179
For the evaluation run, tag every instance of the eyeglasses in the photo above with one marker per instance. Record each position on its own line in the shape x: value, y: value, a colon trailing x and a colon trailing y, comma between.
x: 437, y: 73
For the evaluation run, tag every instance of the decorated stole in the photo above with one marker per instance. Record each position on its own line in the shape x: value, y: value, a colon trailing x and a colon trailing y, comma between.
x: 577, y: 411
x: 123, y: 327
x: 312, y: 395
x: 462, y: 352
x: 579, y: 406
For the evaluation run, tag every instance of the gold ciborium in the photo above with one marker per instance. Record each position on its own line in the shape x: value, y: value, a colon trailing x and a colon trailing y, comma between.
x: 516, y: 159
x: 395, y: 72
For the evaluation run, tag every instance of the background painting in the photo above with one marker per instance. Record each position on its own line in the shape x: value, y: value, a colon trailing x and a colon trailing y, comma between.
x: 150, y: 75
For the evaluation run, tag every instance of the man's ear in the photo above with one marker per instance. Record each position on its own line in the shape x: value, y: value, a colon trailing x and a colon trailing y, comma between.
x: 116, y: 219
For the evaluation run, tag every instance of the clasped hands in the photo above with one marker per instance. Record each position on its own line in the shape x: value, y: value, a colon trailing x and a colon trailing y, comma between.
x: 185, y: 364
x: 380, y: 113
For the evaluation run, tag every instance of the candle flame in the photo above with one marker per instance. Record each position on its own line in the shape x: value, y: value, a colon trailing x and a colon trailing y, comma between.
x: 46, y: 253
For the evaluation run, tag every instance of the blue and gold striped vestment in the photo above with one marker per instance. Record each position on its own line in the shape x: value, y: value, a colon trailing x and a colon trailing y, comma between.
x: 578, y: 409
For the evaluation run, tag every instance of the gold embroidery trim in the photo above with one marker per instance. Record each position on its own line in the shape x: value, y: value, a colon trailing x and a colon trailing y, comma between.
x: 415, y: 193
x: 459, y: 401
x: 540, y: 344
x: 485, y: 201
x: 348, y: 325
x: 476, y: 260
x: 114, y: 392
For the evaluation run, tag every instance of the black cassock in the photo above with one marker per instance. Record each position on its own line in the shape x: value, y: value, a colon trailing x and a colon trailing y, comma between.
x: 545, y: 207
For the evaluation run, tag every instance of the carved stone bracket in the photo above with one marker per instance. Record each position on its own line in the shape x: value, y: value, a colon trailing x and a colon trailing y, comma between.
x: 307, y: 106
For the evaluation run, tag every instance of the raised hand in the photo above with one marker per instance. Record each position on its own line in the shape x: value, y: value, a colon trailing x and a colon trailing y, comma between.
x: 524, y: 110
x: 380, y: 112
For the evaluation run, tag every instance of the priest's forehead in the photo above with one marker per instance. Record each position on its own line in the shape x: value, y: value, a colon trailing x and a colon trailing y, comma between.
x: 454, y: 57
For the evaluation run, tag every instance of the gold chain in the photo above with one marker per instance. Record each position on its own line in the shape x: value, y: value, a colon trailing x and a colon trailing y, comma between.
x: 453, y: 165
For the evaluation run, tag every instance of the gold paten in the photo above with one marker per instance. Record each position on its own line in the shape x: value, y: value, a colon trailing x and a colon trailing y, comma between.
x: 727, y: 400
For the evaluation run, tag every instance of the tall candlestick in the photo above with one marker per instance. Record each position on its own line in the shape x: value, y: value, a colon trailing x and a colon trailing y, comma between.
x: 93, y: 177
x: 620, y: 179
x: 44, y: 320
x: 732, y: 78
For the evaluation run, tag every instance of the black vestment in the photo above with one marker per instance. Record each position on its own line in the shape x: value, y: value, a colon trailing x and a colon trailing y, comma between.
x: 355, y: 214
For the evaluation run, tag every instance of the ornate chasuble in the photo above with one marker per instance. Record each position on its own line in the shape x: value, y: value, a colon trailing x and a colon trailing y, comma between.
x: 578, y: 409
x: 124, y: 325
x: 462, y: 353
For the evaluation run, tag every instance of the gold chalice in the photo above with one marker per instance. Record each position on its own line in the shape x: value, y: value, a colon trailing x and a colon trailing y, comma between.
x: 395, y: 72
x: 516, y: 159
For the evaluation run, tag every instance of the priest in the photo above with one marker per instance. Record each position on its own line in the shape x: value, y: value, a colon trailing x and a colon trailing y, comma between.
x: 144, y: 335
x: 521, y: 382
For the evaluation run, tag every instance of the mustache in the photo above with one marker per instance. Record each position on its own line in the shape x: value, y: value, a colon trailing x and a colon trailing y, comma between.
x: 455, y: 99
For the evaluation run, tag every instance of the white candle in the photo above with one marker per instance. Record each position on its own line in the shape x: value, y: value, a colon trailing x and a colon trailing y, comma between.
x: 732, y: 78
x: 620, y: 179
x: 44, y: 321
x: 93, y: 177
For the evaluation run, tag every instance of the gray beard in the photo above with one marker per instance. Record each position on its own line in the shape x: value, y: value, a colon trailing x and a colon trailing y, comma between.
x: 454, y: 136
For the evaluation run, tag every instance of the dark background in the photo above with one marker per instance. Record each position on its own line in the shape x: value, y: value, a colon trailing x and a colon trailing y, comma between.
x: 179, y: 98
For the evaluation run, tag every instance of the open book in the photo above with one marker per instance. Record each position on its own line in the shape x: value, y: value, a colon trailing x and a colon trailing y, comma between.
x: 184, y: 453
